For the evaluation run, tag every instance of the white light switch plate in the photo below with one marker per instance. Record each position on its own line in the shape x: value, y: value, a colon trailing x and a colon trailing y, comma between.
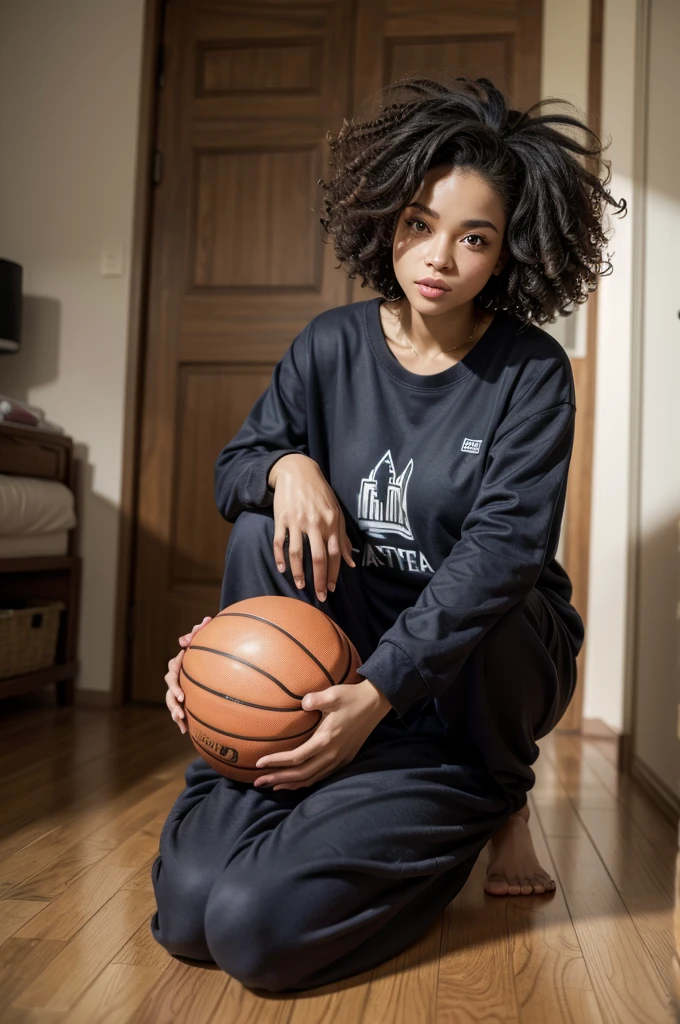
x: 112, y: 260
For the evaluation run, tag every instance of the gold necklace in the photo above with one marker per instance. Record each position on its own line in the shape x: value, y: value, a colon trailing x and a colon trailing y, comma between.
x: 453, y: 347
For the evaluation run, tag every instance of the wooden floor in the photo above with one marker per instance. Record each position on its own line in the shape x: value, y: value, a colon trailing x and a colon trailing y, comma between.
x: 85, y: 794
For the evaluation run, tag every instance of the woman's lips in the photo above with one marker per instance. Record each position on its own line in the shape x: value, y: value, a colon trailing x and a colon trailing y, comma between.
x: 429, y: 292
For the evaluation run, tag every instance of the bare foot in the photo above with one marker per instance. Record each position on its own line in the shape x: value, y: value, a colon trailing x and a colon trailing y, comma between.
x: 513, y: 868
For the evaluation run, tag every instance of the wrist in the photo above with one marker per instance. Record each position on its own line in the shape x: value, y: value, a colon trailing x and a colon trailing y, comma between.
x: 377, y: 699
x: 274, y: 472
x: 276, y: 468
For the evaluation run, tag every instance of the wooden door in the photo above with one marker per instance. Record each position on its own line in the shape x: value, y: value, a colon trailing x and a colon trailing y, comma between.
x: 238, y: 263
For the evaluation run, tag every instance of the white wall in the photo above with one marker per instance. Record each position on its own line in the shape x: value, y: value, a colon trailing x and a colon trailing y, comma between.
x: 69, y: 97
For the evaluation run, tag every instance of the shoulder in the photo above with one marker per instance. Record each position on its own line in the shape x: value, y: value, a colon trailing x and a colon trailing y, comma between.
x: 332, y: 332
x: 339, y: 321
x: 539, y: 367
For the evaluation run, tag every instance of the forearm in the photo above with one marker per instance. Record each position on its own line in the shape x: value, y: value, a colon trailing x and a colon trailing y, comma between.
x: 240, y: 479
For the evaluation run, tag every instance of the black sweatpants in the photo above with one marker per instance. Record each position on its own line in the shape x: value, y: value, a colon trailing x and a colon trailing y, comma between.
x: 298, y: 888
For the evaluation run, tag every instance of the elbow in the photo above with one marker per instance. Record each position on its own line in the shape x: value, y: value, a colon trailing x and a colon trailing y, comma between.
x: 223, y: 489
x: 225, y: 505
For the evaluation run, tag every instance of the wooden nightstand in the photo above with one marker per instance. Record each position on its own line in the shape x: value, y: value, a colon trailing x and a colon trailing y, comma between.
x: 26, y: 451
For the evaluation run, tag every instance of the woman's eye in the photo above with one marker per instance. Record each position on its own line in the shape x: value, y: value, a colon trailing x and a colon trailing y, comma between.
x: 414, y: 221
x: 482, y: 241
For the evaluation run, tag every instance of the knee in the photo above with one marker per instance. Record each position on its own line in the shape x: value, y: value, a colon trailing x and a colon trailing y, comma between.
x: 252, y: 934
x: 252, y: 527
x: 500, y: 647
x: 249, y: 568
x: 178, y: 921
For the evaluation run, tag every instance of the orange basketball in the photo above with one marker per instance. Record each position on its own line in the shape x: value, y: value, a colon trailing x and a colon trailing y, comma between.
x: 244, y: 676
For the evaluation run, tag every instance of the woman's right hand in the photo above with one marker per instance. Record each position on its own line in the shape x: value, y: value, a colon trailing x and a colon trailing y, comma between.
x: 175, y: 694
x: 304, y: 503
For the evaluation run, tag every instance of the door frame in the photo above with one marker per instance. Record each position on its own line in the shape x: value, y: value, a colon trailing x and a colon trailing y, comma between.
x: 136, y: 341
x: 579, y: 489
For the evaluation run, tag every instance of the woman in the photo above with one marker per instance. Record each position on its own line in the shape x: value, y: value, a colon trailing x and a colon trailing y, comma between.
x: 420, y: 441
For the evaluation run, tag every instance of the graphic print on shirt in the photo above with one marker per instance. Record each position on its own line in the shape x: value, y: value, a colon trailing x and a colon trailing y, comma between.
x: 389, y: 514
x: 382, y: 510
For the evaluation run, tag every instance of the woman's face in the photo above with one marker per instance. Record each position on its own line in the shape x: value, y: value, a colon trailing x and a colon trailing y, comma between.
x: 452, y: 231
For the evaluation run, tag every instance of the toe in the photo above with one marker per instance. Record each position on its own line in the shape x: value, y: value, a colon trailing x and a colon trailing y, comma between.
x: 527, y: 886
x: 514, y: 887
x: 496, y: 884
x: 538, y: 883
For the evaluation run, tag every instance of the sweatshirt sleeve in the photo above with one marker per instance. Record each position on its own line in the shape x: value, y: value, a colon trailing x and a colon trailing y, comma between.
x: 495, y: 564
x: 276, y: 426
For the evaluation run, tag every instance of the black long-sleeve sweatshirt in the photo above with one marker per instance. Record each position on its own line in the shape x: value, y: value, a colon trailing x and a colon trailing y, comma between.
x: 452, y: 485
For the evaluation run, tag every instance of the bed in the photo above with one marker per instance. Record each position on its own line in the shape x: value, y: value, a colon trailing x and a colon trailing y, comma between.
x: 35, y: 516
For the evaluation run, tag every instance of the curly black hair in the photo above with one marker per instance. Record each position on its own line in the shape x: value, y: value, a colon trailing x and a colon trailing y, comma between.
x: 554, y: 204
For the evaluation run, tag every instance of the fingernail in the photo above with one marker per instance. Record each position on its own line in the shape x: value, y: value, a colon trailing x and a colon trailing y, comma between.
x: 322, y: 595
x: 300, y: 583
x: 280, y: 566
x: 331, y: 587
x: 180, y: 696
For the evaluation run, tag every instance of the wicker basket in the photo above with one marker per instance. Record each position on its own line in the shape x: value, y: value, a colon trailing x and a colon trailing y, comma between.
x: 28, y: 635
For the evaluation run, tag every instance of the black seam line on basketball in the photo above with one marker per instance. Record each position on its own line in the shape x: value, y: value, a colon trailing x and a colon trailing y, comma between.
x: 344, y: 641
x: 242, y: 661
x: 253, y: 739
x: 225, y: 696
x: 239, y: 767
x: 261, y: 618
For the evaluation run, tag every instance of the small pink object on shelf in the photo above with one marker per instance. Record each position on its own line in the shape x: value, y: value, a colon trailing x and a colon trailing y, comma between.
x: 12, y: 411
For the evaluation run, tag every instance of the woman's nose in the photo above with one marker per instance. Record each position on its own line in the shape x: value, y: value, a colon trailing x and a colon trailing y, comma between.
x: 439, y: 262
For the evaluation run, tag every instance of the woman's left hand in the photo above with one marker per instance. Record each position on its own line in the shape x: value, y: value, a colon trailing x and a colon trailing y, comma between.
x: 351, y: 712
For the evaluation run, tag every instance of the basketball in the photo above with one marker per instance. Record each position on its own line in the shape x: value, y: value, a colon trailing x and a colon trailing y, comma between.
x: 244, y: 676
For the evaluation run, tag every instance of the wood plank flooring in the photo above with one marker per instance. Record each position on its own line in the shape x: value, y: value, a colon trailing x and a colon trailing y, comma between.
x: 84, y: 797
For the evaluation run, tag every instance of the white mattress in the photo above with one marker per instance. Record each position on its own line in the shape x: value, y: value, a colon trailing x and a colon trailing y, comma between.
x: 53, y: 543
x: 35, y: 516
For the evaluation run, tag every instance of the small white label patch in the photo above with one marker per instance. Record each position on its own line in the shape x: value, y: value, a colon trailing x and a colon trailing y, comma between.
x: 469, y: 445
